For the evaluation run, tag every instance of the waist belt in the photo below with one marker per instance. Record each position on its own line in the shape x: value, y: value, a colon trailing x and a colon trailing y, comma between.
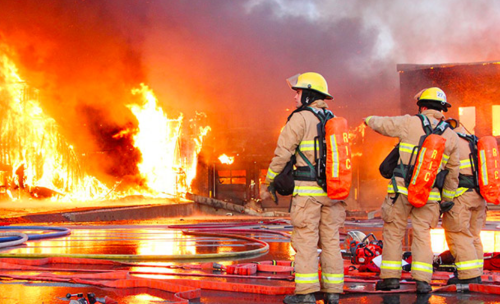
x: 304, y: 174
x: 466, y: 181
x: 403, y: 171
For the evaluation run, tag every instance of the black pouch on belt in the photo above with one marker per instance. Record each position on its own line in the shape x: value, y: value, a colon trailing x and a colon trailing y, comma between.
x: 284, y: 182
x: 389, y: 163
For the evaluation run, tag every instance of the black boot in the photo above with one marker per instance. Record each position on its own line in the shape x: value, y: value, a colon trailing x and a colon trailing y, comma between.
x: 387, y: 284
x: 455, y: 281
x: 300, y: 299
x: 423, y: 287
x: 331, y: 298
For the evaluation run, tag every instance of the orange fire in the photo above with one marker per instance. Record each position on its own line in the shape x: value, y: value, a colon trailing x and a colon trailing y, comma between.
x: 359, y: 130
x: 227, y: 160
x: 164, y: 165
x: 40, y: 156
x: 32, y: 145
x: 123, y: 133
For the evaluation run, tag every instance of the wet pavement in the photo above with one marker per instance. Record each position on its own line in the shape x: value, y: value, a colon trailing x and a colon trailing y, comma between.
x: 164, y: 253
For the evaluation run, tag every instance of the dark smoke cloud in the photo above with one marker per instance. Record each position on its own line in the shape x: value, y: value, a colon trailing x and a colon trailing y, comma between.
x: 232, y: 62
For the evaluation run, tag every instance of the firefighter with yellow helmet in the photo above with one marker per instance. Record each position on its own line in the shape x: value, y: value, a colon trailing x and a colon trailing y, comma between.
x: 315, y: 217
x: 464, y: 222
x: 396, y: 207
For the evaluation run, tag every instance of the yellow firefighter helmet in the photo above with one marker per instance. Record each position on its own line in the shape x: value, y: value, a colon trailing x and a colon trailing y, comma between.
x: 310, y: 81
x: 432, y: 95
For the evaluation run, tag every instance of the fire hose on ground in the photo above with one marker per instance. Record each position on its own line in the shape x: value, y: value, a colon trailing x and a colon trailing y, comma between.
x: 264, y: 247
x: 188, y: 289
x: 8, y: 239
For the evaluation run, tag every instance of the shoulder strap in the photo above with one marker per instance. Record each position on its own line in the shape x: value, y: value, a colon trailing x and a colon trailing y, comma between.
x: 426, y: 125
x: 469, y: 138
x: 322, y: 114
x: 307, y: 161
x: 295, y: 111
x: 440, y: 128
x: 473, y: 157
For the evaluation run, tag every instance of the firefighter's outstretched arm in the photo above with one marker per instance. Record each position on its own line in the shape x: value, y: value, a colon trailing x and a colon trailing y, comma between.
x: 389, y: 126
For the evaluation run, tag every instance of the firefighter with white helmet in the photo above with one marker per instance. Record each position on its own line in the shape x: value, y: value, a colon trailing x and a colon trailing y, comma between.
x: 463, y: 223
x: 315, y: 217
x: 397, y: 208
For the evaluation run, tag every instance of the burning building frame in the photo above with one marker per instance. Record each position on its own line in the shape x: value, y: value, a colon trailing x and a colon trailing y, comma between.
x: 38, y: 161
x: 472, y: 89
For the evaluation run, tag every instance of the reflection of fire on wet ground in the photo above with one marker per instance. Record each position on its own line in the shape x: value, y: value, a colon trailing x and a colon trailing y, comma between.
x: 37, y: 161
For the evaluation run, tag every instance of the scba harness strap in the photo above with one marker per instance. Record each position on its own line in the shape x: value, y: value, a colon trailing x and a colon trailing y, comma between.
x: 284, y: 181
x: 310, y: 172
x: 470, y: 181
x: 332, y: 157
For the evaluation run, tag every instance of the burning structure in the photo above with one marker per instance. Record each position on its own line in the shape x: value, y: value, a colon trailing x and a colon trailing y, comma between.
x: 36, y: 159
x: 471, y: 88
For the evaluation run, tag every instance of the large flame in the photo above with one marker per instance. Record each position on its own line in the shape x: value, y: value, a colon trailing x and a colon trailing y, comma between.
x: 227, y: 160
x: 32, y: 146
x: 168, y: 164
x: 37, y: 155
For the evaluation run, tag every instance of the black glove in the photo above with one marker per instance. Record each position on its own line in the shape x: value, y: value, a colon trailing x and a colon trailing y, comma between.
x: 272, y: 191
x: 446, y: 206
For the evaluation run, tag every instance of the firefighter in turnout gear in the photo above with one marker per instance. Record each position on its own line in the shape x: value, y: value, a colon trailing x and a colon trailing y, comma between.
x: 463, y: 223
x: 397, y: 207
x: 316, y: 219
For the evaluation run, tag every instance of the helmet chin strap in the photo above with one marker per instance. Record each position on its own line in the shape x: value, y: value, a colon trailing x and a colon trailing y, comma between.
x: 304, y: 99
x: 309, y: 97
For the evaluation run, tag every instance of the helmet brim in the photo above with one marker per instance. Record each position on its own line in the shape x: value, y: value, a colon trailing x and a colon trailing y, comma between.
x: 293, y: 81
x: 444, y: 105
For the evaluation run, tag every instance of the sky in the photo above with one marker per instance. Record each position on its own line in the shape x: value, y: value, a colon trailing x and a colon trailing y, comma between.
x: 229, y: 59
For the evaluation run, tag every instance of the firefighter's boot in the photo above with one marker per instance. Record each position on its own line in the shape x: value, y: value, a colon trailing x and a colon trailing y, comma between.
x: 423, y: 287
x: 300, y: 299
x: 331, y: 298
x: 387, y: 284
x: 455, y: 281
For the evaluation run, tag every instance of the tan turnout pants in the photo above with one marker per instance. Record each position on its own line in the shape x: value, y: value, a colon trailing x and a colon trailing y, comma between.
x: 395, y: 216
x: 316, y: 221
x: 463, y: 224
